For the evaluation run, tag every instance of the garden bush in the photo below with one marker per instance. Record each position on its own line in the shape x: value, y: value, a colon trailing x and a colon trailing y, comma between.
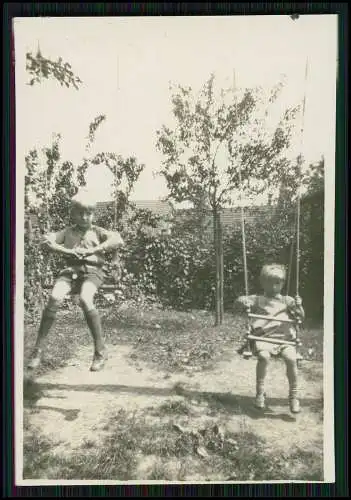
x: 178, y: 269
x: 173, y: 267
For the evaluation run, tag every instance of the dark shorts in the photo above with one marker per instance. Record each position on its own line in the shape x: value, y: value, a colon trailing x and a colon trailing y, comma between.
x: 76, y: 276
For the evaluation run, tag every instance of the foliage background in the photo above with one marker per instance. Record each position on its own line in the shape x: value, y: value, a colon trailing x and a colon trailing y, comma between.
x: 176, y: 266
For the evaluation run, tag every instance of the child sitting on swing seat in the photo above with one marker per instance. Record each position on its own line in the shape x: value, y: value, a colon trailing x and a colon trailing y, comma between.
x: 273, y: 303
x: 83, y: 245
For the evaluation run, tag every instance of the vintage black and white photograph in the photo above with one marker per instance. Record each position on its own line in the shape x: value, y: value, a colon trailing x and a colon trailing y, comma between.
x: 174, y: 249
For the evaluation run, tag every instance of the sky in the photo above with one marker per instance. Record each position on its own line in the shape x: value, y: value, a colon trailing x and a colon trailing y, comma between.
x: 126, y: 65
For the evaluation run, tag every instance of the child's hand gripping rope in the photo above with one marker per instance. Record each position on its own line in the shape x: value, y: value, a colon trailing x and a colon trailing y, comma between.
x: 246, y: 349
x: 82, y: 253
x: 298, y: 301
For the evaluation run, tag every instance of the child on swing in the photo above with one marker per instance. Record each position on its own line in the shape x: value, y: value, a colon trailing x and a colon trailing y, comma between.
x: 83, y: 245
x: 273, y: 303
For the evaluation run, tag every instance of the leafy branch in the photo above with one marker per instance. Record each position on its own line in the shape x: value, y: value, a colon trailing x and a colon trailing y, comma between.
x: 40, y: 68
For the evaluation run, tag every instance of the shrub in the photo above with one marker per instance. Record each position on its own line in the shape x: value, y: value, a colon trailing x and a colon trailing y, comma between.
x: 178, y: 269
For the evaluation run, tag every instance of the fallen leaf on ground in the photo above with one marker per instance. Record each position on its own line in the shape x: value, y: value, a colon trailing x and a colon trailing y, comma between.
x: 178, y: 428
x: 201, y: 451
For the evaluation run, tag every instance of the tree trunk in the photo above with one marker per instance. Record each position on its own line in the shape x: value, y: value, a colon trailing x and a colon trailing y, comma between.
x: 115, y: 214
x: 29, y: 229
x: 218, y: 267
x: 115, y: 201
x: 221, y: 268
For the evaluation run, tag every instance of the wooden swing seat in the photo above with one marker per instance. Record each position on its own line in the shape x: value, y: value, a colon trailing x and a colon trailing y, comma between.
x: 271, y: 318
x: 103, y: 288
x: 271, y: 340
x: 247, y: 353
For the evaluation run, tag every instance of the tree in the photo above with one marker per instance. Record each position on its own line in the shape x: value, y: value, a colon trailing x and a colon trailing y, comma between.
x: 50, y: 183
x: 312, y: 239
x: 297, y: 180
x: 313, y: 178
x: 220, y: 144
x: 126, y: 172
x: 40, y: 68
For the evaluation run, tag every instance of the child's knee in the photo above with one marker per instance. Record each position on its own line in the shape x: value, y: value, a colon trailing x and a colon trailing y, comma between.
x: 53, y: 306
x: 56, y: 299
x: 263, y: 356
x: 59, y: 292
x: 86, y: 301
x: 87, y: 295
x: 289, y: 355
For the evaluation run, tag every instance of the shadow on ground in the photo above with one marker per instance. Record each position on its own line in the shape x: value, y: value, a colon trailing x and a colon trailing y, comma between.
x: 33, y: 392
x: 217, y: 401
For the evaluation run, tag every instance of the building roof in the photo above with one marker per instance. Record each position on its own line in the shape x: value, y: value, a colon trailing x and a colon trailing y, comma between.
x: 155, y: 206
x: 229, y: 216
x: 232, y: 216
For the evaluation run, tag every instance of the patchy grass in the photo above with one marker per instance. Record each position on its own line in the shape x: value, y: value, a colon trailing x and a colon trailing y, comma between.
x: 187, y: 342
x: 183, y: 437
x: 174, y: 341
x: 114, y: 459
x: 167, y: 340
x: 172, y: 407
x: 67, y: 335
x: 37, y: 452
x: 164, y: 451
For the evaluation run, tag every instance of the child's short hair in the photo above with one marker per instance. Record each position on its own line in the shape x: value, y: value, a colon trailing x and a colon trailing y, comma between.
x: 273, y: 271
x: 84, y: 198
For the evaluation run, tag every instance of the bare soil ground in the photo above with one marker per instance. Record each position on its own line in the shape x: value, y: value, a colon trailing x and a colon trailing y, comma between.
x: 174, y: 402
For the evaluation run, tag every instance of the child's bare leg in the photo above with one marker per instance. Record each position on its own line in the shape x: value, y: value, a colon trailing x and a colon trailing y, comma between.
x: 261, y: 372
x: 290, y: 357
x: 59, y: 292
x: 92, y: 317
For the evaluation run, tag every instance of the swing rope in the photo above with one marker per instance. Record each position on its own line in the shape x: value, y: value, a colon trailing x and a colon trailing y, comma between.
x: 299, y: 166
x: 288, y: 281
x: 247, y: 351
x: 115, y: 169
x: 242, y: 214
x: 242, y: 220
x: 298, y: 201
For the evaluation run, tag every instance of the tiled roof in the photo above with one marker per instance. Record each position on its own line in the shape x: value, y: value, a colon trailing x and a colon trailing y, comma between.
x: 155, y: 206
x: 229, y: 216
x: 232, y: 216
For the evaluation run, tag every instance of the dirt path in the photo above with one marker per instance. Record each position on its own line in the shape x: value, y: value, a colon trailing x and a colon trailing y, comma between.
x: 74, y: 405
